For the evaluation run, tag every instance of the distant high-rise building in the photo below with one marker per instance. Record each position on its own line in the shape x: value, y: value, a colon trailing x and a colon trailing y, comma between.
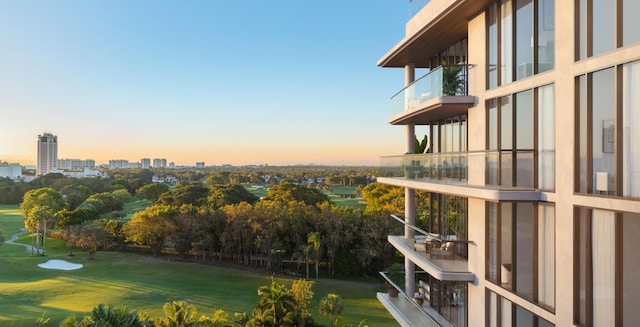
x: 159, y: 163
x: 200, y: 164
x: 145, y: 163
x: 47, y: 153
x: 10, y: 170
x: 76, y: 163
x: 118, y: 164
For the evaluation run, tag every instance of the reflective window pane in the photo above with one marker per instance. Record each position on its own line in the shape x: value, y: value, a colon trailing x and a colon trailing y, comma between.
x: 524, y: 38
x: 546, y: 35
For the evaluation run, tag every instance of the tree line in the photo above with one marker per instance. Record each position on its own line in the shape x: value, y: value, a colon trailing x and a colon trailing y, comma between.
x: 293, y: 227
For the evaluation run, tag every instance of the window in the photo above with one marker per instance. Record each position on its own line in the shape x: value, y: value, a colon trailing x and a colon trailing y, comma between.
x: 606, y: 281
x: 514, y: 27
x: 511, y: 135
x: 521, y: 249
x: 605, y: 25
x: 546, y: 138
x: 608, y: 130
x: 504, y: 313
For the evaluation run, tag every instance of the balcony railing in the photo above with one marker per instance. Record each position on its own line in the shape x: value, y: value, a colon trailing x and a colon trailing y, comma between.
x: 442, y: 81
x: 450, y: 166
x: 499, y: 168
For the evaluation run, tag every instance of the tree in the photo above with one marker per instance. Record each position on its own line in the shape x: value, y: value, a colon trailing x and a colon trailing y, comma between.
x: 40, y: 216
x: 178, y: 314
x: 332, y: 306
x: 219, y: 319
x: 92, y: 236
x: 71, y: 234
x: 221, y: 195
x: 194, y: 193
x: 39, y: 207
x: 42, y: 197
x: 286, y: 192
x: 152, y: 191
x: 275, y: 304
x: 314, y: 239
x: 302, y: 294
x: 75, y: 194
x: 107, y: 316
x: 150, y: 227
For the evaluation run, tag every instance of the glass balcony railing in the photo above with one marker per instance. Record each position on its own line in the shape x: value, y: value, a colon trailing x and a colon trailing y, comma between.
x: 499, y: 168
x: 442, y: 81
x: 449, y: 166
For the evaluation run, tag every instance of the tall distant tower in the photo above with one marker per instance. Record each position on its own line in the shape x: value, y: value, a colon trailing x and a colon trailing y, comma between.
x: 47, y: 153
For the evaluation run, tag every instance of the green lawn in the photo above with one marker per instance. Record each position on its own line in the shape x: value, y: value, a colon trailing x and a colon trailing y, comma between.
x: 142, y: 283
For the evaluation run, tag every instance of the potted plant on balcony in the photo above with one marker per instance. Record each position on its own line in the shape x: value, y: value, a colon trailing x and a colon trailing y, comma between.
x: 395, y: 273
x: 421, y: 146
x: 452, y: 80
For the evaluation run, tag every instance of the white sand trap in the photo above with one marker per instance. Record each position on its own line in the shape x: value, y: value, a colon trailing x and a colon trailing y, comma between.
x: 60, y: 265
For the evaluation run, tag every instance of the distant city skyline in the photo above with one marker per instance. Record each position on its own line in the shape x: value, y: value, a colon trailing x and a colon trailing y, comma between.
x: 221, y: 82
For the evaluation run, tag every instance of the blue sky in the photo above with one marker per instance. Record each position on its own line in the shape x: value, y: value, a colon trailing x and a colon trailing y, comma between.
x: 225, y: 82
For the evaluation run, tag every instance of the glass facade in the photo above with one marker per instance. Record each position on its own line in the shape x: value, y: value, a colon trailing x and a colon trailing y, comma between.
x: 503, y: 313
x: 608, y: 129
x: 607, y: 286
x: 521, y: 249
x: 516, y: 49
x: 511, y: 122
x: 605, y: 25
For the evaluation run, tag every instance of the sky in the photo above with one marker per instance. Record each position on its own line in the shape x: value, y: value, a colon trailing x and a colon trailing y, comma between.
x: 276, y: 82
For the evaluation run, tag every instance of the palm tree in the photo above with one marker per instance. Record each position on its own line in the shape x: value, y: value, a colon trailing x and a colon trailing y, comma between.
x: 40, y: 215
x: 331, y: 305
x: 276, y: 303
x: 178, y: 314
x: 314, y: 239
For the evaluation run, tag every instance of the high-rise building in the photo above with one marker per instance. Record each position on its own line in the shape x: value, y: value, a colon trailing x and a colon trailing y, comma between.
x: 145, y: 163
x: 47, y: 153
x: 119, y: 164
x: 159, y: 163
x: 200, y: 164
x: 522, y: 209
x: 76, y: 163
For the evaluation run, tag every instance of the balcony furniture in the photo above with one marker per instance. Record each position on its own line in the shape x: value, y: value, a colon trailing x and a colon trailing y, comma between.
x: 423, y: 243
x: 445, y: 251
x: 424, y: 291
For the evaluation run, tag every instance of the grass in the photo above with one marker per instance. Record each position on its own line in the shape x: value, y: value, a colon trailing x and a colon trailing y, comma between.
x: 144, y: 284
x: 258, y: 190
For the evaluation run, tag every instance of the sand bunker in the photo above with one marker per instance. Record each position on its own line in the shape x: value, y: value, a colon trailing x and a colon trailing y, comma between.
x: 60, y: 265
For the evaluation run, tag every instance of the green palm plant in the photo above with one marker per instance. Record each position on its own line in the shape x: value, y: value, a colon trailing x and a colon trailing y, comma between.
x: 452, y: 80
x: 421, y: 146
x: 276, y: 303
x: 332, y: 306
x: 314, y: 239
x: 178, y: 314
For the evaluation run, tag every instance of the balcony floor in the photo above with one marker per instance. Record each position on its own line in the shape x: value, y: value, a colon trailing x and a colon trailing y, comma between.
x: 441, y: 269
x: 405, y: 311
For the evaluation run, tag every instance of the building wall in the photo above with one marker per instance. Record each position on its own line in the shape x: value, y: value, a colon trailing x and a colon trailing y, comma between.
x: 13, y: 171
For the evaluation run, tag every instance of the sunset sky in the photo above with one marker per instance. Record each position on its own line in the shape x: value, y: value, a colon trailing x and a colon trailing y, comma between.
x: 277, y: 82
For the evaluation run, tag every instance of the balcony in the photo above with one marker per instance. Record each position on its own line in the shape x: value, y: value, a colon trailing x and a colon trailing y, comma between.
x: 469, y: 174
x: 438, y: 94
x: 451, y: 266
x: 404, y: 309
